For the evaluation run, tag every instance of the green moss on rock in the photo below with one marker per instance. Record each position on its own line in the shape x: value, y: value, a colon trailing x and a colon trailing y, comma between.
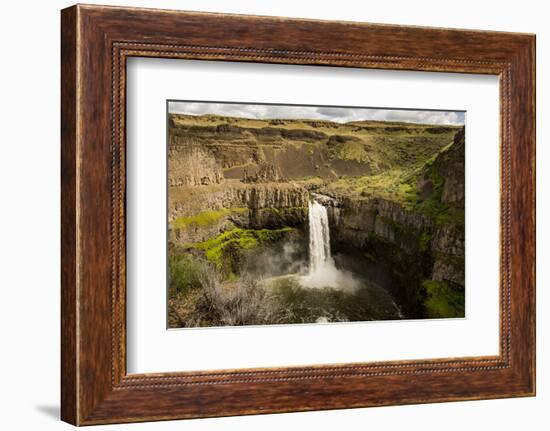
x: 226, y: 250
x: 443, y: 300
x: 205, y: 218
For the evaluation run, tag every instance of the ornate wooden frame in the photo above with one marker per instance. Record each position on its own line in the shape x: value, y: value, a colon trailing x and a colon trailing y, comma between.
x: 95, y: 43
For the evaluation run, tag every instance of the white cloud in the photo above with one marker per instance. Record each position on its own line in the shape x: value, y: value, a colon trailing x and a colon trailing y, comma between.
x: 331, y: 113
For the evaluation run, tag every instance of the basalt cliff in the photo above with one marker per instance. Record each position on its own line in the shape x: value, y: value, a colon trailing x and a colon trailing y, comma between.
x: 394, y: 194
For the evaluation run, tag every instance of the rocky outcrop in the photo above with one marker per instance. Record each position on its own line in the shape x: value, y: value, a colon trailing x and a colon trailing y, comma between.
x: 193, y: 232
x: 298, y: 149
x: 449, y: 240
x: 448, y: 272
x: 273, y: 195
x: 268, y: 205
x: 448, y: 251
x: 425, y: 242
x: 266, y: 173
x: 254, y: 174
x: 192, y: 165
x: 188, y: 201
x: 451, y: 167
x: 411, y: 246
x: 384, y: 232
x: 354, y: 220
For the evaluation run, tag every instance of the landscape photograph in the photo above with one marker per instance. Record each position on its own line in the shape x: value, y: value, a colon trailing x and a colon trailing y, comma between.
x: 298, y: 214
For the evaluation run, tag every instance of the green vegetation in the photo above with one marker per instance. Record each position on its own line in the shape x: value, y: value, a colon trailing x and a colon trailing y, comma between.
x: 403, y: 185
x: 277, y: 217
x: 205, y: 218
x: 433, y: 205
x: 185, y: 272
x: 311, y: 181
x: 406, y: 152
x: 425, y: 242
x: 392, y: 185
x: 443, y: 214
x: 442, y: 300
x: 304, y: 305
x: 225, y: 251
x: 244, y: 302
x: 350, y: 150
x: 415, y: 168
x: 242, y: 238
x: 450, y: 259
x: 373, y: 127
x: 371, y: 147
x: 247, y: 301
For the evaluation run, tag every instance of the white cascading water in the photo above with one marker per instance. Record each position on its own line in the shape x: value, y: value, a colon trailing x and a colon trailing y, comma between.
x: 322, y: 271
x: 319, y: 238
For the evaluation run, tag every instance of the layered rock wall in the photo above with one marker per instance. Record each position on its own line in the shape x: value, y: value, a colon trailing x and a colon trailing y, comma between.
x: 268, y: 205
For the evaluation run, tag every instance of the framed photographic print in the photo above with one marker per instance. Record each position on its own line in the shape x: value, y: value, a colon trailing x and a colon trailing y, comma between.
x: 263, y: 217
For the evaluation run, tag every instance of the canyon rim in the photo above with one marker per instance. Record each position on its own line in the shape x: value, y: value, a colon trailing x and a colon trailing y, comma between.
x: 289, y: 214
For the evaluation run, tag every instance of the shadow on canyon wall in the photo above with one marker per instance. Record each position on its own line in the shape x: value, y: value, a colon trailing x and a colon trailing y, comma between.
x: 240, y: 223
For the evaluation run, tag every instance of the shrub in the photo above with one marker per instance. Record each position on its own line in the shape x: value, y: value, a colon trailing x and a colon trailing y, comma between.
x: 184, y: 273
x: 245, y: 302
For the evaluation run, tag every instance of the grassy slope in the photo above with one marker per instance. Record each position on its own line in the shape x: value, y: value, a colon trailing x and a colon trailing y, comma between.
x: 390, y: 149
x: 400, y: 184
x: 205, y: 218
x: 225, y: 251
x: 397, y: 153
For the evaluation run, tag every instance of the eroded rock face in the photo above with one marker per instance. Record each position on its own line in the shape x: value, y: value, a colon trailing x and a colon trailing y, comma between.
x: 194, y: 233
x: 275, y: 205
x: 452, y: 168
x: 192, y: 165
x: 448, y: 272
x: 354, y: 220
x: 266, y: 173
x: 448, y: 251
x: 240, y: 151
x: 413, y: 247
x: 425, y: 246
x: 245, y: 175
x: 268, y: 205
x: 449, y: 239
x: 273, y: 195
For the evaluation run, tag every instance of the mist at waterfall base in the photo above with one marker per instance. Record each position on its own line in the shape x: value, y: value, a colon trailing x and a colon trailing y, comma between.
x: 307, y: 260
x: 320, y: 285
x: 322, y: 269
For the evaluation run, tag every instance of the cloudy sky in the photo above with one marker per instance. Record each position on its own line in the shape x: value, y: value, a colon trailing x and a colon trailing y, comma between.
x: 341, y: 115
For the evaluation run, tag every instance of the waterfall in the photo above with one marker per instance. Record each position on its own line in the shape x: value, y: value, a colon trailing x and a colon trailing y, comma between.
x: 322, y: 271
x: 319, y: 238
